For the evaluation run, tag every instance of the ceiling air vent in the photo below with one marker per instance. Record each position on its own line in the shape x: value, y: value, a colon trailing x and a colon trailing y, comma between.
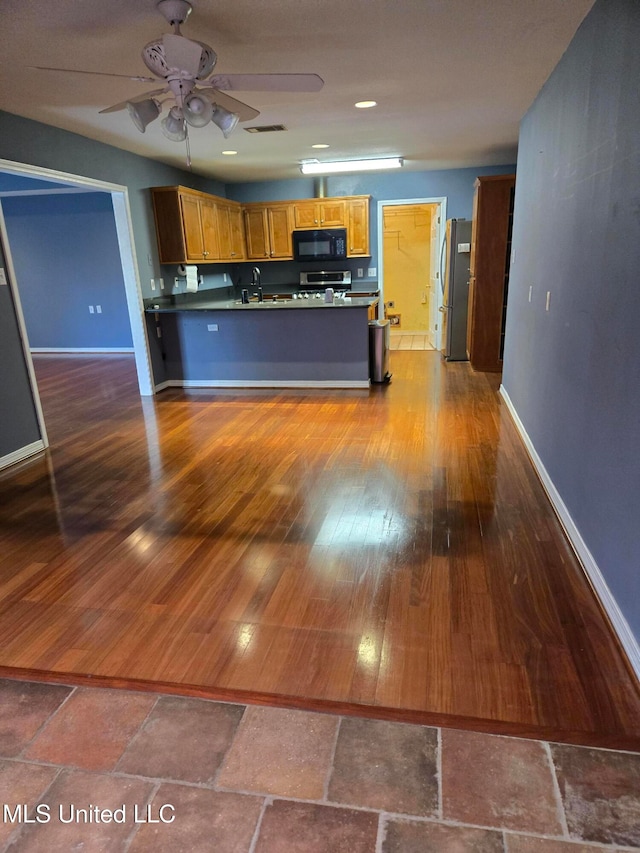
x: 266, y: 128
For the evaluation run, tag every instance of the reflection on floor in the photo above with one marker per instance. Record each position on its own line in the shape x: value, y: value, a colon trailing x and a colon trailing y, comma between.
x: 387, y: 553
x: 184, y: 774
x: 409, y: 340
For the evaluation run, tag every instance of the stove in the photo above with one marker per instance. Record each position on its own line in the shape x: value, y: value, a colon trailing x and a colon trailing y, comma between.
x: 314, y: 284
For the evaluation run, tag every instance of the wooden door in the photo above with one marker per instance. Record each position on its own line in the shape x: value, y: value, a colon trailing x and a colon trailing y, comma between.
x: 407, y: 270
x: 280, y: 227
x: 237, y: 234
x: 331, y: 212
x: 209, y: 221
x: 257, y: 234
x: 305, y: 215
x: 224, y: 231
x: 192, y: 227
x: 358, y: 235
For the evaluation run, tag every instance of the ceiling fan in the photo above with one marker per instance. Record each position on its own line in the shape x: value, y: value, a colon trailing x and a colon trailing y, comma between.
x: 182, y: 64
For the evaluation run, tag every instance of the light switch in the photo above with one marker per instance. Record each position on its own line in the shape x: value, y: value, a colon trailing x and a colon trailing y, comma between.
x: 464, y: 247
x: 371, y: 272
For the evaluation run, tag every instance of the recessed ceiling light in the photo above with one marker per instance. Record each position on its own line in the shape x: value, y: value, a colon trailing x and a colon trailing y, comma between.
x: 229, y: 153
x: 320, y: 145
x: 364, y: 105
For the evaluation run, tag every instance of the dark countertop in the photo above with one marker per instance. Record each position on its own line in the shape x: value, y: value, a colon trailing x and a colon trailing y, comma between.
x: 351, y: 301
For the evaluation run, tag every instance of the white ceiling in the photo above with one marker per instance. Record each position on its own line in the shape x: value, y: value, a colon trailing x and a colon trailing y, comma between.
x: 452, y: 78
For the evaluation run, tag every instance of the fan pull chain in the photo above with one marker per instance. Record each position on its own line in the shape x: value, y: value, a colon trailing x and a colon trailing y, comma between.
x: 186, y: 139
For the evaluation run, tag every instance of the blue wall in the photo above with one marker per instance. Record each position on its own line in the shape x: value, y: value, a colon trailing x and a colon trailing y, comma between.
x: 573, y: 373
x: 454, y: 184
x: 66, y: 257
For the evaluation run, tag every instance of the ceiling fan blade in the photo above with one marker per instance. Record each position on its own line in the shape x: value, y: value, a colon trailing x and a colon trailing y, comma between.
x: 135, y: 100
x: 244, y: 111
x: 182, y: 53
x: 267, y: 82
x: 136, y: 79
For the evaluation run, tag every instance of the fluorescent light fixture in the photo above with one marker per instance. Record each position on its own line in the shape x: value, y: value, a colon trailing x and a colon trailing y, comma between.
x: 320, y: 145
x: 366, y: 105
x: 350, y: 166
x: 229, y: 153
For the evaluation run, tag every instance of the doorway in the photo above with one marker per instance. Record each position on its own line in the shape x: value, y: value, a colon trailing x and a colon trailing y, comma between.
x: 409, y: 239
x: 124, y: 231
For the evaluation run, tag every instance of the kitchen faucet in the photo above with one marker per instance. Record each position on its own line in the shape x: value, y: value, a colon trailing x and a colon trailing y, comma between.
x: 255, y: 281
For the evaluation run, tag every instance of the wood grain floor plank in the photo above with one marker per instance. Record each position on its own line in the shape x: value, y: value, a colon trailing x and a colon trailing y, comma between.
x: 388, y: 552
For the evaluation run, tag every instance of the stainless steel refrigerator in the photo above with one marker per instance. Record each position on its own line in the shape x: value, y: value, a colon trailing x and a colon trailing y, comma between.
x: 456, y: 257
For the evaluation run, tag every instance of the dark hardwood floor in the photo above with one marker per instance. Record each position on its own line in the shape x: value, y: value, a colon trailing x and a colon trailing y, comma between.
x: 387, y: 552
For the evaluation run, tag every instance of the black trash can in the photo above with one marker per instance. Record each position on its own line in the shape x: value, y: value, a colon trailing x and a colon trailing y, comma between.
x: 379, y: 332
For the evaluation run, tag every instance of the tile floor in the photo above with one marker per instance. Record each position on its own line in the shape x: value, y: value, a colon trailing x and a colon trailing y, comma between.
x: 408, y: 340
x: 99, y: 769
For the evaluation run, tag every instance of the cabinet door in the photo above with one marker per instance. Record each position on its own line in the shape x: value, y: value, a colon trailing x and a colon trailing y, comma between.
x: 237, y: 234
x: 332, y: 213
x: 224, y: 231
x: 280, y: 227
x: 192, y: 227
x: 305, y: 215
x: 257, y: 235
x: 358, y: 235
x: 209, y: 222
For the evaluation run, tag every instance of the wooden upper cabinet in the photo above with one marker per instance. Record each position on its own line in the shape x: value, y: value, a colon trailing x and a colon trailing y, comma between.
x: 358, y: 227
x: 236, y: 224
x: 268, y: 231
x: 209, y: 222
x: 280, y: 228
x: 321, y: 213
x: 194, y: 226
x: 230, y: 232
x: 489, y: 267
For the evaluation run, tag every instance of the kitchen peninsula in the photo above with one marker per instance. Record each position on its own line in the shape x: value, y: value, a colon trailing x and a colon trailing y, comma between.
x: 278, y: 343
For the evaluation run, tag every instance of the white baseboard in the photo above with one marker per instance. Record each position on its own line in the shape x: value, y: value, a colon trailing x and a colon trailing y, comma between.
x: 88, y: 350
x: 262, y: 383
x: 22, y: 454
x: 620, y: 625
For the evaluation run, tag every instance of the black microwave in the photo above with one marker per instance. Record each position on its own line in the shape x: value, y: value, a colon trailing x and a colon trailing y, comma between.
x: 320, y: 244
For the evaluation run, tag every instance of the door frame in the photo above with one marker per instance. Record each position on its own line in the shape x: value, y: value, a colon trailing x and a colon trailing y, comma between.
x: 441, y: 201
x: 133, y: 292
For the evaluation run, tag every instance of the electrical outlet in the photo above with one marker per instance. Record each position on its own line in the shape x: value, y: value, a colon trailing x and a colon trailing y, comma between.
x: 372, y: 272
x: 530, y: 291
x: 98, y: 309
x: 90, y: 309
x: 153, y: 284
x: 224, y: 276
x: 548, y: 300
x: 360, y: 272
x: 161, y: 280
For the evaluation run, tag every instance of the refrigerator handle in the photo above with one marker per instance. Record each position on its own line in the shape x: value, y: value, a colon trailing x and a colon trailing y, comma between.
x: 442, y: 256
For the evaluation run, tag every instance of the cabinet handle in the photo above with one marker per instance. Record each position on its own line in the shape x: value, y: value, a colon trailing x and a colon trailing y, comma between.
x: 322, y: 222
x: 233, y: 254
x: 205, y: 254
x: 315, y: 221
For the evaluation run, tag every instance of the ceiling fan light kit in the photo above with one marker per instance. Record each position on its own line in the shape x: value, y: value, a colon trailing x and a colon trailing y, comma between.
x: 225, y: 120
x: 181, y: 64
x: 198, y: 111
x: 143, y: 112
x: 173, y: 126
